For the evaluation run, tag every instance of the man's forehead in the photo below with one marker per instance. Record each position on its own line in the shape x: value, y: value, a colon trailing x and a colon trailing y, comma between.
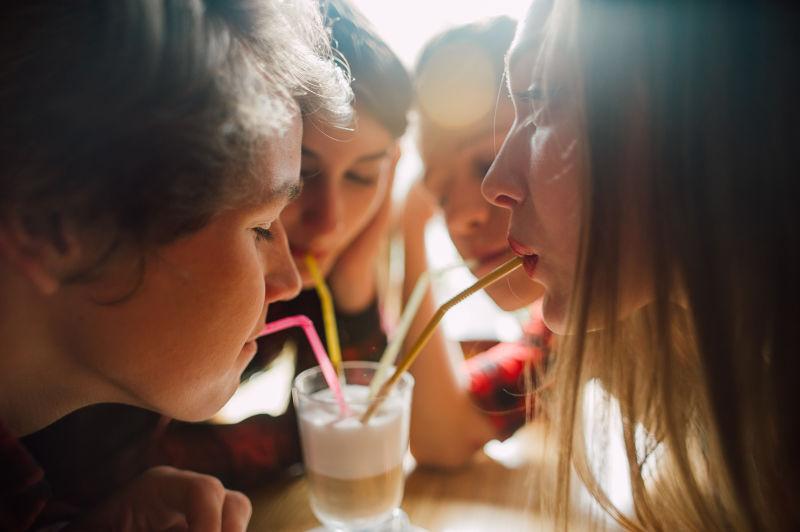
x: 279, y: 164
x: 277, y: 190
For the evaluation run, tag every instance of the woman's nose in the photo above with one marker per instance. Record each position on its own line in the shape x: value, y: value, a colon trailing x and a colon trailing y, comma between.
x: 322, y: 210
x: 282, y: 278
x: 504, y: 182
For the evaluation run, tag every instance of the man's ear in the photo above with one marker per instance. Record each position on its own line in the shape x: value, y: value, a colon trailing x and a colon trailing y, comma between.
x: 42, y: 255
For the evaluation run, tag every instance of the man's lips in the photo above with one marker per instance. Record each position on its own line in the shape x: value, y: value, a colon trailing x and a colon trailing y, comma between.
x: 529, y: 258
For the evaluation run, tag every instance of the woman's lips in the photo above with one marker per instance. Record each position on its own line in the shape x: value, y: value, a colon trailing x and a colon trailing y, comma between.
x: 529, y: 263
x: 301, y: 253
x: 529, y: 258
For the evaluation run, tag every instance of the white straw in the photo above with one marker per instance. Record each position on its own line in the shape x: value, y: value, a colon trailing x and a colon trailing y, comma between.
x: 409, y: 312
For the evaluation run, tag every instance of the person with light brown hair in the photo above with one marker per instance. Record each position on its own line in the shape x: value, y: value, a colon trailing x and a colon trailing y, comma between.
x: 148, y: 150
x: 649, y: 175
x: 463, y: 114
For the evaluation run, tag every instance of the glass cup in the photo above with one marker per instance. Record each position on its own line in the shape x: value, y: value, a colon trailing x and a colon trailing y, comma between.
x: 354, y: 471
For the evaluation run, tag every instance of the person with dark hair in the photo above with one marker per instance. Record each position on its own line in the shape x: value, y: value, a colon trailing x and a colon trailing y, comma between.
x: 462, y: 113
x: 650, y: 175
x: 148, y: 150
x: 341, y: 218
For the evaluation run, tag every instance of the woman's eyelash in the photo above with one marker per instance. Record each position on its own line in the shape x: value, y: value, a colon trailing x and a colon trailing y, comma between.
x: 533, y: 94
x: 361, y: 180
x: 263, y: 233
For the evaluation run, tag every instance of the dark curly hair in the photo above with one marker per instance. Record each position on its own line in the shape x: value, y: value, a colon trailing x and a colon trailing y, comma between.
x: 144, y: 117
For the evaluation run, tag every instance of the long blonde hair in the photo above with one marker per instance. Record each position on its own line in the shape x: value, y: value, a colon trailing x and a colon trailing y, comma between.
x: 707, y: 370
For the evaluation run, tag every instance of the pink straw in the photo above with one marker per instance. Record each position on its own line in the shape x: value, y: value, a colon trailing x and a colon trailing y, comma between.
x: 325, y: 365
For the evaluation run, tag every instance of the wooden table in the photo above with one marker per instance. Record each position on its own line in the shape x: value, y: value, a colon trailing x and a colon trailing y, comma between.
x: 499, y: 490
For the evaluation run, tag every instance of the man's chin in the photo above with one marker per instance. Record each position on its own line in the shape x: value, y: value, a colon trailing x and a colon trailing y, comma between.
x: 196, y: 415
x: 205, y: 407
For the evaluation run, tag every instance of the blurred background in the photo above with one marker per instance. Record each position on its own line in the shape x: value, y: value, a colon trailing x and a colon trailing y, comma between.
x: 407, y: 26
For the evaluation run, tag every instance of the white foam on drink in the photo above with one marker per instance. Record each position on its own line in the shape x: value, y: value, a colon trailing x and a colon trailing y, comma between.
x: 346, y: 448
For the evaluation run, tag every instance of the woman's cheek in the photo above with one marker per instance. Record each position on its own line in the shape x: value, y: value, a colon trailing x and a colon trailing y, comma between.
x: 362, y: 204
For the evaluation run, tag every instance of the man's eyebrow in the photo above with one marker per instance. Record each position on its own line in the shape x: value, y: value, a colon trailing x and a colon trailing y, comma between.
x: 310, y: 153
x: 290, y: 191
x: 294, y: 191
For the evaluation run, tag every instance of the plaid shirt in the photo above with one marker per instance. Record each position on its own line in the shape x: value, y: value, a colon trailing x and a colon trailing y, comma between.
x: 23, y: 491
x: 497, y: 376
x: 97, y: 449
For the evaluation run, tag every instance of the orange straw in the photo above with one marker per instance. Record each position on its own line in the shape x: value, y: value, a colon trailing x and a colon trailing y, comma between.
x: 490, y: 278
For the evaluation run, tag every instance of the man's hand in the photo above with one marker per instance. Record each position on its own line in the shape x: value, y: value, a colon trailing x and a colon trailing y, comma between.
x: 165, y: 498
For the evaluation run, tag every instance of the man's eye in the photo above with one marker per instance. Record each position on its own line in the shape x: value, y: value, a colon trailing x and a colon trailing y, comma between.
x: 263, y: 233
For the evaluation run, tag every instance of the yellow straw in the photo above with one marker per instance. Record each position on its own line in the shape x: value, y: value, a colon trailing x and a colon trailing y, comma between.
x: 328, y: 315
x: 496, y: 274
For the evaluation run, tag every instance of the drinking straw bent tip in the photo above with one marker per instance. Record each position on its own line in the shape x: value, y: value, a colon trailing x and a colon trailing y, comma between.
x: 328, y: 371
x: 389, y: 356
x: 491, y: 277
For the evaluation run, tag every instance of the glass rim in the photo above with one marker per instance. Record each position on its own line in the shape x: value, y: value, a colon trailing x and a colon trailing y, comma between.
x: 405, y: 383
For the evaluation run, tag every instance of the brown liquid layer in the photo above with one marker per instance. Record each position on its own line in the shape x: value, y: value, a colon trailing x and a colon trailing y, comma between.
x: 360, y: 498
